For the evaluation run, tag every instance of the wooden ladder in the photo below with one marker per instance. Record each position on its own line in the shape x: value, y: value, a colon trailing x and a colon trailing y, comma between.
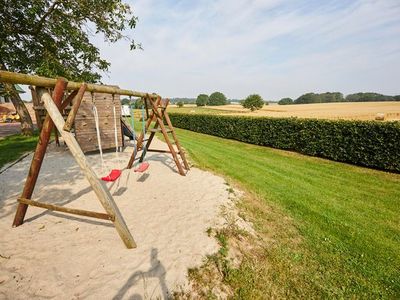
x: 159, y: 114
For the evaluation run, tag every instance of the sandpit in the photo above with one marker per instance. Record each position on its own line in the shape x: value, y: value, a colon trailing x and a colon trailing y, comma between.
x: 54, y: 255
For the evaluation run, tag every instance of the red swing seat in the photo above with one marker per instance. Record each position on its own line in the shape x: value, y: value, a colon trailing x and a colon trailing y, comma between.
x: 114, y: 175
x: 143, y: 167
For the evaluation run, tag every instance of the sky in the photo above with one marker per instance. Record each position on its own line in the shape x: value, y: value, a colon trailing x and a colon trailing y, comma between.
x: 276, y: 48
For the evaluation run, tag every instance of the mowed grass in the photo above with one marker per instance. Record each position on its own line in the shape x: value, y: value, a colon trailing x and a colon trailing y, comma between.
x: 13, y: 146
x: 328, y: 229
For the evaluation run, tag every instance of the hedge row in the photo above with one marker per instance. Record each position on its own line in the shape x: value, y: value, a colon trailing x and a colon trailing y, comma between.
x: 366, y: 143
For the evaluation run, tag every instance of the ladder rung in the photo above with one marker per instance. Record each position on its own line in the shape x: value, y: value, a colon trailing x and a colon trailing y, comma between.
x: 159, y: 130
x: 162, y: 151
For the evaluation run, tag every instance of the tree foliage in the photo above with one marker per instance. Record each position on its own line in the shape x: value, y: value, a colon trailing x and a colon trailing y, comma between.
x: 285, y: 101
x: 367, y: 143
x: 202, y: 100
x: 338, y: 97
x: 253, y: 102
x: 367, y: 97
x: 185, y: 100
x: 52, y: 38
x: 320, y: 98
x: 138, y: 103
x: 217, y: 98
x: 180, y: 104
x: 125, y: 101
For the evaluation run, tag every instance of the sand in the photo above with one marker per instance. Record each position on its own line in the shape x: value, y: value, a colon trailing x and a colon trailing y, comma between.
x: 59, y: 256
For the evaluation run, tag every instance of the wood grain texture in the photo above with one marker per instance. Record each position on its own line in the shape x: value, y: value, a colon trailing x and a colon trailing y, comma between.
x: 40, y: 151
x: 68, y: 210
x: 85, y: 126
x: 19, y: 78
x: 100, y: 190
x: 76, y: 104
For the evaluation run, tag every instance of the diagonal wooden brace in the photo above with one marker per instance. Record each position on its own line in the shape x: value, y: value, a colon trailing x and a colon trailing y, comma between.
x: 141, y: 136
x: 100, y: 190
x: 38, y: 156
x: 76, y: 103
x: 159, y: 120
x: 178, y: 145
x: 68, y: 100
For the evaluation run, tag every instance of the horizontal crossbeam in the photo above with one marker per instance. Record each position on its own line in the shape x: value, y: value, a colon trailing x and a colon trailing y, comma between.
x: 67, y: 210
x: 18, y: 78
x: 159, y: 130
x: 161, y: 151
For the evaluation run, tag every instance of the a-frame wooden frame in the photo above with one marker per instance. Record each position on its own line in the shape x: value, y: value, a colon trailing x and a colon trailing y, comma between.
x: 53, y: 105
x: 159, y: 113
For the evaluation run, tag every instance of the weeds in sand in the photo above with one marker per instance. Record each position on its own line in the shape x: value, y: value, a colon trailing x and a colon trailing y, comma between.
x: 209, y: 231
x: 230, y: 190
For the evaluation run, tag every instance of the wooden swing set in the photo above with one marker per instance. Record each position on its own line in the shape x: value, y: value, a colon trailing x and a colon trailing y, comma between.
x: 52, y: 93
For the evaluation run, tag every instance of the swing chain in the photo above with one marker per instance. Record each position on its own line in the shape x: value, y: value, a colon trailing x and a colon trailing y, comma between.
x: 93, y: 98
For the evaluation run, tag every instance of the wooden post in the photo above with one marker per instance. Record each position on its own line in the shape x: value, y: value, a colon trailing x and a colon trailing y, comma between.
x: 36, y: 102
x: 76, y: 103
x: 178, y: 145
x: 165, y: 134
x: 150, y: 139
x: 153, y: 133
x: 100, y: 190
x: 56, y: 137
x: 39, y: 154
x: 141, y: 137
x: 68, y: 100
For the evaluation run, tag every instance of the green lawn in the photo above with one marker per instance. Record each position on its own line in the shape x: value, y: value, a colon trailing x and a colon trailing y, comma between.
x: 328, y: 229
x: 13, y: 146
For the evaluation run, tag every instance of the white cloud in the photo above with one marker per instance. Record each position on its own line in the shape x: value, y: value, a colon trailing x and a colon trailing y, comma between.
x: 277, y: 48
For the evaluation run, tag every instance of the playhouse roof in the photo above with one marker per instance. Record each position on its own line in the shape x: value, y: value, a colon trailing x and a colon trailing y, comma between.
x: 18, y: 88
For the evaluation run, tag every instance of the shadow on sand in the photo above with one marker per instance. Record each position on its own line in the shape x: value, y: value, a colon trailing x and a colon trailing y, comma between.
x: 156, y: 270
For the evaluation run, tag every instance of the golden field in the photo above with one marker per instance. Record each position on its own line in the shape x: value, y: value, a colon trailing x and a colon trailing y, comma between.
x: 348, y: 111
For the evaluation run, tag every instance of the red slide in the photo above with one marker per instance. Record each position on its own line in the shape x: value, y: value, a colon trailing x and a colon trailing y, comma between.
x: 112, y: 176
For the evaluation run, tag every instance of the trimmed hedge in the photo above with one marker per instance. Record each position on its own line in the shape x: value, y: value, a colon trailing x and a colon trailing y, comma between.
x: 366, y: 143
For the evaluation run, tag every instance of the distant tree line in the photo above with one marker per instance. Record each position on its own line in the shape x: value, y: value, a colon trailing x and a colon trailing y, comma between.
x: 338, y: 97
x: 216, y: 98
x: 184, y: 100
x: 133, y: 102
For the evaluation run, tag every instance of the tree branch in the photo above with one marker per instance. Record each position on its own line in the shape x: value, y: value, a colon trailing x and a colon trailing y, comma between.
x: 40, y: 23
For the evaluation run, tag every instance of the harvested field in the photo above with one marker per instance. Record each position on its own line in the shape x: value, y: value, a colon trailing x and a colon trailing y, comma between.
x: 349, y: 111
